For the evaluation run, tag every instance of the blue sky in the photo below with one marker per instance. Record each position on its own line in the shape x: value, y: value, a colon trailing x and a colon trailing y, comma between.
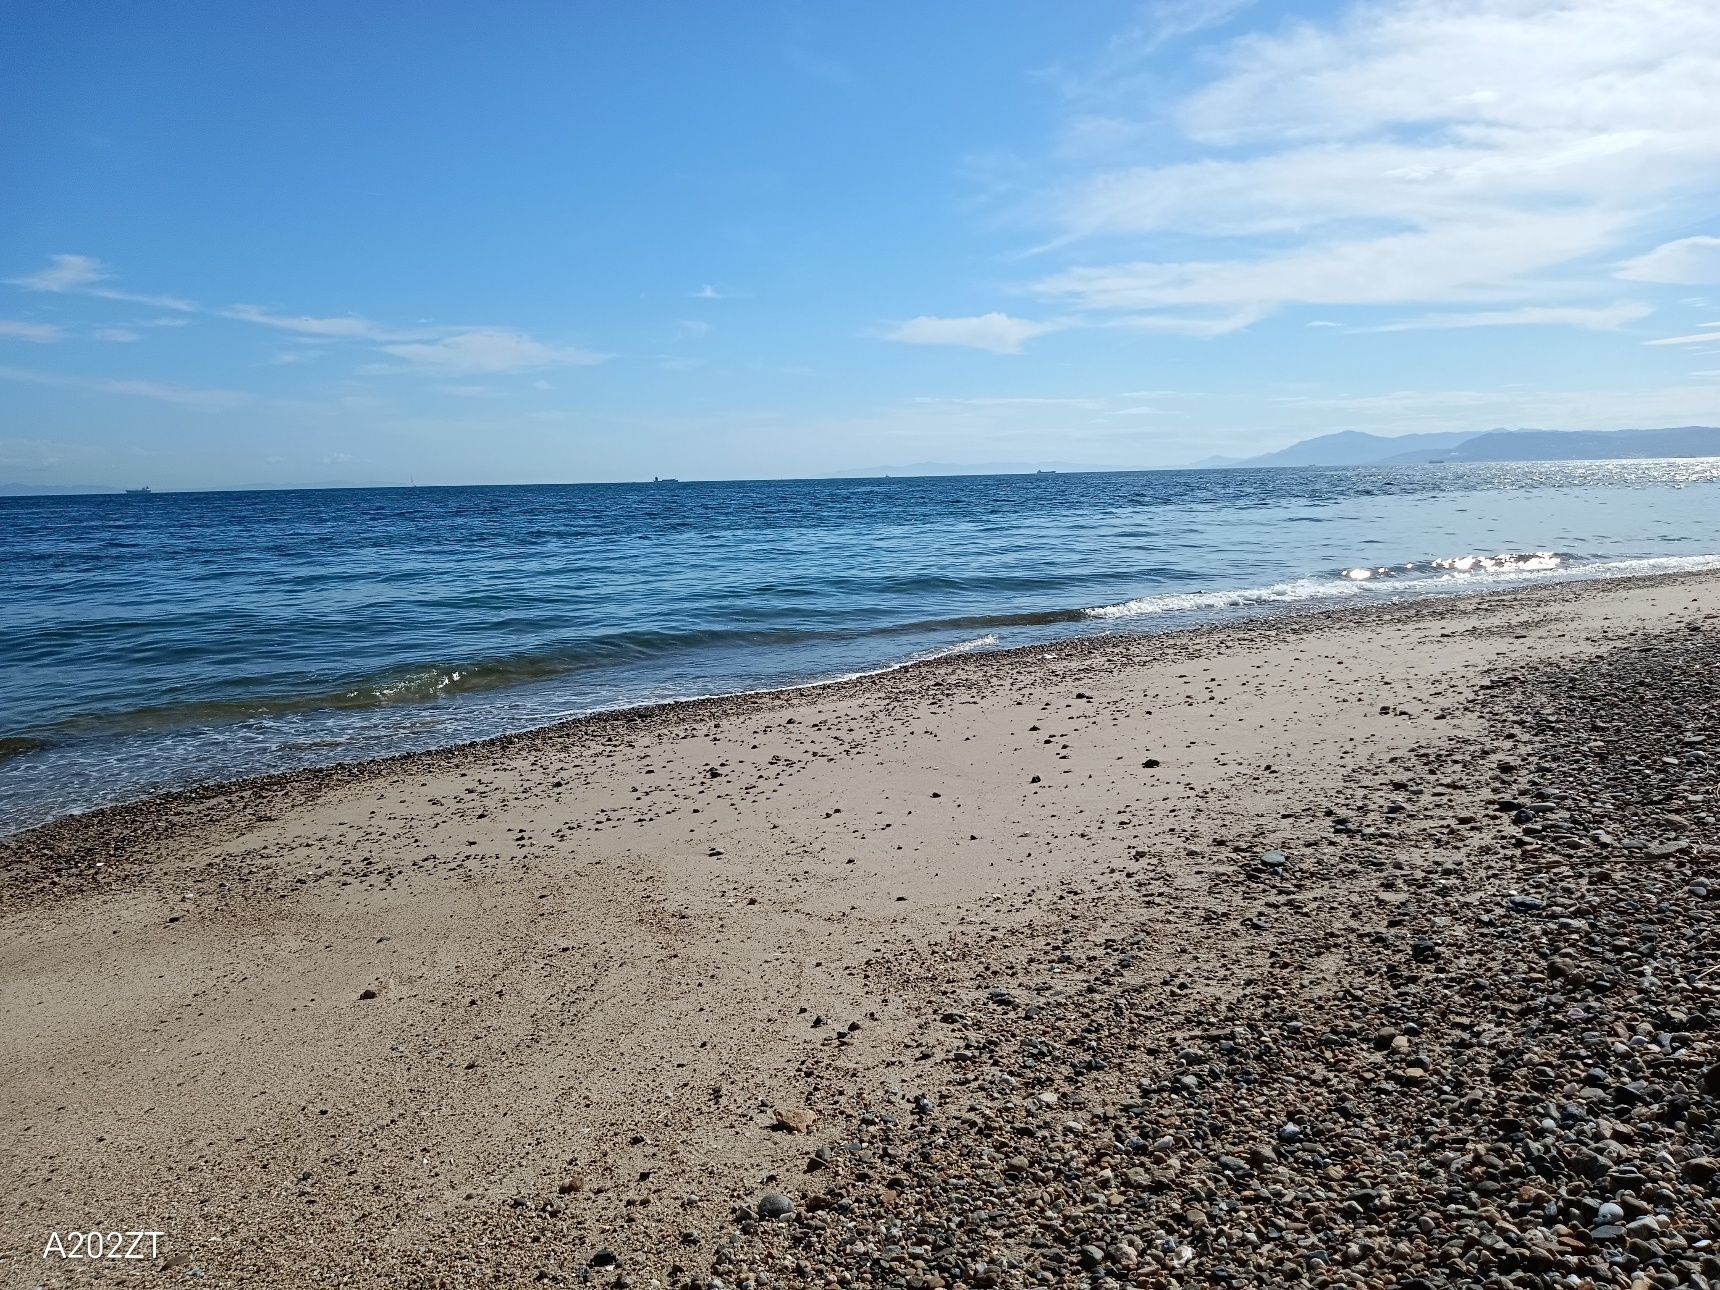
x: 529, y: 242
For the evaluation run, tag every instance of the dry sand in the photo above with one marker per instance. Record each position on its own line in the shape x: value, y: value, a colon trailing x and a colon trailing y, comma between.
x: 470, y: 1017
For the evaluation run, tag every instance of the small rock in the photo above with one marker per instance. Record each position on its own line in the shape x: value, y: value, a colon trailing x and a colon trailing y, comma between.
x: 795, y: 1120
x: 1702, y: 1169
x: 773, y: 1204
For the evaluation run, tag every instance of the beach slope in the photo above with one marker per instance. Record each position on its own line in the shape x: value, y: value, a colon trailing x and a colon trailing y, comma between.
x: 1141, y: 958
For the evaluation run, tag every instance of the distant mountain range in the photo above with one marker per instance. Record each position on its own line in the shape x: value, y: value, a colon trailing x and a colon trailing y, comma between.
x: 1356, y: 448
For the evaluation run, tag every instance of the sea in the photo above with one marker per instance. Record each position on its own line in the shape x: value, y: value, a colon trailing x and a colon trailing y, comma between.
x: 155, y: 641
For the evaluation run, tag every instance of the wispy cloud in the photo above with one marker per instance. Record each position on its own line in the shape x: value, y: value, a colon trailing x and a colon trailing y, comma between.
x: 1595, y: 318
x: 1695, y: 338
x: 161, y: 392
x: 708, y: 292
x: 491, y: 350
x: 443, y: 349
x: 1220, y: 322
x: 64, y: 273
x: 1690, y: 261
x: 1164, y: 22
x: 349, y: 327
x: 85, y: 275
x: 1400, y: 153
x: 996, y: 332
x: 1129, y: 53
x: 1454, y: 262
x: 117, y: 335
x: 35, y: 332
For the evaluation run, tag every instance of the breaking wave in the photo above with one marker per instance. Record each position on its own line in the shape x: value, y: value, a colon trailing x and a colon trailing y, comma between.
x: 1441, y: 575
x: 1509, y: 562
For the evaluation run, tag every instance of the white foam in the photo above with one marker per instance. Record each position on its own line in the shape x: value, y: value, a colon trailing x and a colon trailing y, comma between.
x: 1431, y: 577
x: 961, y: 647
x: 1285, y: 593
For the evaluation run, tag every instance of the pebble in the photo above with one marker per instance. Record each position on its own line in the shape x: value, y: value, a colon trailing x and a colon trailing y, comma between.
x: 773, y: 1204
x: 1512, y: 1086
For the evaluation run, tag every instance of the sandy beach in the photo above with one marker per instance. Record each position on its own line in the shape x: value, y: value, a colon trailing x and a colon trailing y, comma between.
x: 1183, y: 960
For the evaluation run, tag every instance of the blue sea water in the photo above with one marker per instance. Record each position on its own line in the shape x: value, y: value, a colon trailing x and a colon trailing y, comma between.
x: 155, y: 641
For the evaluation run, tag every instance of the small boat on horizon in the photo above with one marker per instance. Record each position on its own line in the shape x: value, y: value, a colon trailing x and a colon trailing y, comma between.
x: 135, y: 491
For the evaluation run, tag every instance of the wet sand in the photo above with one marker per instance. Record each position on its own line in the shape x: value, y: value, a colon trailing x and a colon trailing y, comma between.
x: 529, y: 1010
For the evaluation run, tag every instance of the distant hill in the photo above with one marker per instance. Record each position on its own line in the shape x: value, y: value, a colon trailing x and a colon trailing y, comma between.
x: 1356, y: 448
x: 1580, y: 445
x: 977, y: 468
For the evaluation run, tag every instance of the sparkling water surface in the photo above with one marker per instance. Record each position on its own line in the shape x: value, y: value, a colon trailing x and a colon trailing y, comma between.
x: 152, y: 641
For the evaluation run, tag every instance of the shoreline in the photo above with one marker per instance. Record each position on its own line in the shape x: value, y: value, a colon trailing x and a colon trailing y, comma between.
x: 1070, y: 966
x: 338, y: 773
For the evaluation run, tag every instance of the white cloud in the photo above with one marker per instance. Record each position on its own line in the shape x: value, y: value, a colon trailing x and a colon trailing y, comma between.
x: 64, y: 273
x: 448, y: 350
x: 1453, y: 262
x: 84, y: 275
x: 1165, y: 21
x: 491, y: 350
x: 37, y: 333
x: 1404, y: 152
x: 1688, y: 261
x: 1161, y: 23
x: 349, y: 327
x: 117, y: 335
x: 997, y: 332
x: 182, y: 395
x: 707, y: 292
x: 694, y: 329
x: 1596, y: 318
x: 1218, y: 323
x: 1695, y: 338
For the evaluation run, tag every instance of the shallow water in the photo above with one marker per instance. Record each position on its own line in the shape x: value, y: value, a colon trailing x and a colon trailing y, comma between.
x: 154, y: 641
